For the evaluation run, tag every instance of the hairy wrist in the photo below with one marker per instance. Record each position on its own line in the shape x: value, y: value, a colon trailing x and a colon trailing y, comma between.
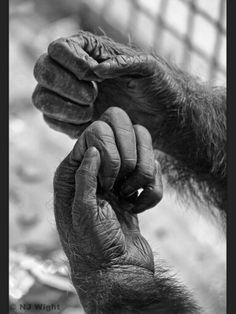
x: 131, y: 289
x: 118, y: 289
x: 196, y: 116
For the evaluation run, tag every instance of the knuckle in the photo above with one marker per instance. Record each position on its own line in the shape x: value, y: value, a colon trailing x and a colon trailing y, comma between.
x: 44, y: 70
x: 39, y: 65
x: 119, y: 121
x: 42, y: 98
x: 114, y: 111
x: 59, y: 48
x: 143, y: 134
x: 98, y: 128
x: 140, y: 128
x: 36, y: 97
x: 56, y: 47
x: 80, y: 37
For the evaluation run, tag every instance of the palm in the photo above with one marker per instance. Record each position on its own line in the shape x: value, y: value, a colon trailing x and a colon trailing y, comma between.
x: 114, y: 239
x: 137, y: 250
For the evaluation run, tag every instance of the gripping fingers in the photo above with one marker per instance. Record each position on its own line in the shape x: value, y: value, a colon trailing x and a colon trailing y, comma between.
x: 144, y: 175
x: 97, y: 227
x: 60, y: 108
x: 70, y: 53
x: 72, y: 130
x: 125, y: 138
x: 100, y: 135
x: 85, y: 200
x: 51, y: 75
x: 63, y: 185
x: 81, y: 53
x: 141, y: 65
x: 151, y: 194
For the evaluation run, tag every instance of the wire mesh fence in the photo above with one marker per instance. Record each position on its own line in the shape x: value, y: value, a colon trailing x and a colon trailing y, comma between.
x: 191, y: 33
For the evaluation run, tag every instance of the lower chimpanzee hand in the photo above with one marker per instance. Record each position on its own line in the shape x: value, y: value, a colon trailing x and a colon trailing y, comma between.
x: 139, y: 83
x: 97, y: 223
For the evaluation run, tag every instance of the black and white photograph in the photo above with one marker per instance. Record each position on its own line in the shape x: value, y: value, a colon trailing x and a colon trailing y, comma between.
x: 117, y: 156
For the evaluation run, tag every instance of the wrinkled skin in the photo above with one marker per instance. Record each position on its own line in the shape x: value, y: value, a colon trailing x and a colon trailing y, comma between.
x: 79, y: 78
x: 124, y: 77
x: 83, y: 75
x: 98, y: 227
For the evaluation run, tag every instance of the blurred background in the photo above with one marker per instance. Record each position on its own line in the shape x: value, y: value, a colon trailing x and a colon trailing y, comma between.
x: 191, y: 33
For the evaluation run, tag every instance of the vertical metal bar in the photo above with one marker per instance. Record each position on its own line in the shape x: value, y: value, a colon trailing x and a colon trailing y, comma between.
x: 218, y: 43
x: 189, y: 35
x: 160, y: 23
x: 133, y: 18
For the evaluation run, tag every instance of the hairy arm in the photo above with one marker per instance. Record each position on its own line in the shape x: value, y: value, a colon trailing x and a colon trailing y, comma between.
x: 130, y: 289
x: 193, y: 135
x: 112, y: 265
x: 186, y: 118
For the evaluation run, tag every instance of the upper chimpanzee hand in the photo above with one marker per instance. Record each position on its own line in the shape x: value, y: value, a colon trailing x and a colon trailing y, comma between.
x: 139, y: 83
x: 83, y: 75
x: 98, y: 226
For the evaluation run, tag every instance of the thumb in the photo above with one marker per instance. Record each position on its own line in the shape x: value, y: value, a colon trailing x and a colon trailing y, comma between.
x: 86, y: 187
x: 95, y: 223
x: 142, y: 65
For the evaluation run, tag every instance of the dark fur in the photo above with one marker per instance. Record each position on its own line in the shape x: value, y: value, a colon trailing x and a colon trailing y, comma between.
x: 131, y: 289
x: 191, y: 137
x: 192, y: 130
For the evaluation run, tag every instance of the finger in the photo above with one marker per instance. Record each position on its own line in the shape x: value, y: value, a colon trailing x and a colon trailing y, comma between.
x: 151, y: 195
x: 125, y: 139
x: 144, y: 175
x: 70, y: 53
x: 60, y: 108
x: 85, y: 201
x: 95, y: 221
x: 101, y: 48
x: 100, y: 135
x: 70, y: 129
x: 141, y: 65
x: 63, y: 184
x: 59, y: 80
x: 145, y: 167
x: 82, y: 52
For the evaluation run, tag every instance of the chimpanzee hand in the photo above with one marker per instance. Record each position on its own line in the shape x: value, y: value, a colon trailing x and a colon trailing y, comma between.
x: 139, y: 83
x: 98, y: 226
